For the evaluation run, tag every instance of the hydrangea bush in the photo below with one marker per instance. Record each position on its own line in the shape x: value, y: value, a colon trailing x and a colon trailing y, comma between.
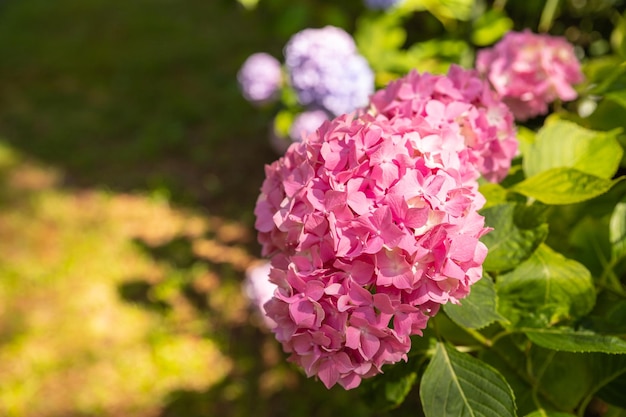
x: 426, y: 244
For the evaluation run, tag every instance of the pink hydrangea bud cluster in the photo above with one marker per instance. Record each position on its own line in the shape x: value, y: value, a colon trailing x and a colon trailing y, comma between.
x: 530, y: 71
x: 460, y: 100
x: 370, y: 224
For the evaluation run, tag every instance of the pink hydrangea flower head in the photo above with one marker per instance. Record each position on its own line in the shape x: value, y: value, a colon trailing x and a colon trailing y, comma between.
x: 460, y: 102
x: 530, y: 71
x: 260, y: 77
x: 370, y: 224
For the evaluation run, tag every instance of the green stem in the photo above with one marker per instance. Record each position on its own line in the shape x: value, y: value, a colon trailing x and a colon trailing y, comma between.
x: 528, y: 379
x: 536, y: 377
x: 547, y: 15
x: 608, y: 280
x: 500, y: 335
x: 479, y: 337
x: 583, y: 406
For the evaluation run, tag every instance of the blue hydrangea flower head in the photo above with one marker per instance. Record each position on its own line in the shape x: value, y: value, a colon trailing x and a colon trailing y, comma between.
x: 326, y: 70
x: 350, y: 88
x: 260, y: 78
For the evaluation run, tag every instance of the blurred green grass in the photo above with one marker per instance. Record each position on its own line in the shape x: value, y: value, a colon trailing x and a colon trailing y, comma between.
x: 136, y: 95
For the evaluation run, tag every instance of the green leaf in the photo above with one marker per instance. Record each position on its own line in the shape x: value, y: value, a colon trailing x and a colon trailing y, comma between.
x: 608, y: 75
x: 444, y: 10
x: 618, y: 37
x: 618, y: 97
x: 565, y: 144
x: 616, y: 317
x: 494, y: 194
x: 545, y: 289
x: 569, y: 340
x: 569, y: 380
x: 510, y: 360
x: 617, y: 230
x: 525, y: 138
x: 396, y: 391
x: 457, y: 384
x: 609, y: 315
x: 598, y: 70
x: 550, y: 380
x: 517, y: 231
x: 490, y: 26
x: 379, y: 38
x: 589, y: 241
x: 564, y: 186
x: 478, y: 309
x: 282, y: 123
x: 436, y: 55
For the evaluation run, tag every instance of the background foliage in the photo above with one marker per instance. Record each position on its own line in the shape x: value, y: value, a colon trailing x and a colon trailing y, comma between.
x: 129, y: 168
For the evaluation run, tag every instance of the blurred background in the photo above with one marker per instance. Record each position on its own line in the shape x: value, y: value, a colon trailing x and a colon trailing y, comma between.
x: 129, y: 169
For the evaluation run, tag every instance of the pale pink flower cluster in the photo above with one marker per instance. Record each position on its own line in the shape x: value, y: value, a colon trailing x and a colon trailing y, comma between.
x: 461, y: 101
x: 371, y: 224
x: 530, y: 71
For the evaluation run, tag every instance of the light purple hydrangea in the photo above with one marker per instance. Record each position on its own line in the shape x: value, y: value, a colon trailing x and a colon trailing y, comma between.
x: 306, y: 123
x: 382, y: 4
x: 260, y: 78
x: 326, y: 70
x: 530, y: 71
